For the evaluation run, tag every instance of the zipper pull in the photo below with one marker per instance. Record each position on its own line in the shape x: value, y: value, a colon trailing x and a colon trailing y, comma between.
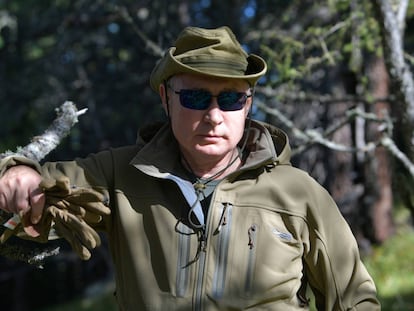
x: 203, y: 241
x: 252, y: 236
x: 223, y: 218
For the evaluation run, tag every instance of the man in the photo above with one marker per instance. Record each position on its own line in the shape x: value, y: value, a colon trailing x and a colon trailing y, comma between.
x: 206, y: 212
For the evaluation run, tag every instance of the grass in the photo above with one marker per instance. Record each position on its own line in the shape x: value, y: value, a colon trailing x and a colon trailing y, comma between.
x: 391, y: 265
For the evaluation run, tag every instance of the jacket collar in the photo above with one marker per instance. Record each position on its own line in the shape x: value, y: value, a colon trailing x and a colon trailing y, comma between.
x: 159, y: 153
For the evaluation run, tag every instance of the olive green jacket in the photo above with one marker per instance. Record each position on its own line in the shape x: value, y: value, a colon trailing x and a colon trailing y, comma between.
x: 268, y: 224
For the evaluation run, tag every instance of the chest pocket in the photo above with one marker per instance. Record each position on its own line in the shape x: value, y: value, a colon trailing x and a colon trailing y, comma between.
x: 264, y: 259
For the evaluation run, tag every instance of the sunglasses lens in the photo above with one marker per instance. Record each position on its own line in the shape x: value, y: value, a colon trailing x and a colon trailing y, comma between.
x: 231, y: 101
x: 201, y: 100
x: 195, y: 99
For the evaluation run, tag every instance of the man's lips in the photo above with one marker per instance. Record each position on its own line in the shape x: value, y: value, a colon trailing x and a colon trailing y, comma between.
x: 210, y: 137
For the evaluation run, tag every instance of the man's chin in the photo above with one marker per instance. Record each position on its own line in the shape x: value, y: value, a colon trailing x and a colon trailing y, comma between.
x: 211, y: 150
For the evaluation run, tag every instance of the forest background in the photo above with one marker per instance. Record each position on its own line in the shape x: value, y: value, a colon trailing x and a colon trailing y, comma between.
x: 339, y: 83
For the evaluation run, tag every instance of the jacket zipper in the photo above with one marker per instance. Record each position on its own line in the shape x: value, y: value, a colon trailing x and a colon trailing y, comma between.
x: 198, y: 306
x: 183, y: 260
x: 224, y: 219
x: 223, y: 230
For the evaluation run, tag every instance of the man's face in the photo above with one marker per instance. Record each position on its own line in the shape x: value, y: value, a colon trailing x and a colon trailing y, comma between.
x: 210, y: 134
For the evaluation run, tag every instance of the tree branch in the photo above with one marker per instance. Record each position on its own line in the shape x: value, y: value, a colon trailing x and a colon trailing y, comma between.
x: 40, y: 146
x: 149, y: 44
x: 394, y: 55
x: 310, y: 137
x: 37, y: 149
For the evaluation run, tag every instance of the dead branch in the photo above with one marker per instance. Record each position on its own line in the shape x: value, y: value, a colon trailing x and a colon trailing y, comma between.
x: 37, y: 149
x: 312, y: 136
x: 308, y: 137
x: 149, y: 44
x: 40, y: 146
x: 388, y: 143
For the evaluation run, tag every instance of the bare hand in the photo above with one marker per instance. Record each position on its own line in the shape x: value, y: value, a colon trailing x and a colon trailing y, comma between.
x: 20, y: 194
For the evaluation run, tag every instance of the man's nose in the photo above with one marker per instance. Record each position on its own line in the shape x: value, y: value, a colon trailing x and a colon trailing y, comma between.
x: 213, y: 114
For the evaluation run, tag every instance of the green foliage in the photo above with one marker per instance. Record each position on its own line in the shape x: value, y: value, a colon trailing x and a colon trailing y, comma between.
x: 391, y: 266
x: 98, y: 54
x: 92, y: 53
x: 283, y: 58
x: 329, y: 38
x: 83, y: 51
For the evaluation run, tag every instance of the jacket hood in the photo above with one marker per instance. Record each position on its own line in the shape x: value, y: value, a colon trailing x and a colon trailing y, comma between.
x: 264, y: 144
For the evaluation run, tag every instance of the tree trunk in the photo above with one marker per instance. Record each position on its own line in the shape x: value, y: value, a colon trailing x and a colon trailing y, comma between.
x: 378, y: 167
x: 402, y: 86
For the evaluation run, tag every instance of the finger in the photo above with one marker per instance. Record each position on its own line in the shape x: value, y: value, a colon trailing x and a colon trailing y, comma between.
x: 75, y: 209
x: 4, y: 202
x: 66, y: 233
x: 87, y: 235
x: 86, y: 195
x: 9, y: 194
x: 58, y: 188
x: 92, y: 218
x: 30, y: 229
x: 21, y: 199
x: 37, y: 203
x: 97, y: 208
x: 15, y: 184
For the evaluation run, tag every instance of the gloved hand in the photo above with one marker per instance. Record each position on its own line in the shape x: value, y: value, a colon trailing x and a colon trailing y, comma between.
x: 72, y: 209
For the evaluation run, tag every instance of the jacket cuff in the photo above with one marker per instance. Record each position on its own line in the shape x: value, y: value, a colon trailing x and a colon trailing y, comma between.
x: 11, y: 161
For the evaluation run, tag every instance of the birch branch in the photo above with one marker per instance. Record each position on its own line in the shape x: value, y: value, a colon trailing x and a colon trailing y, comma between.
x: 397, y: 67
x: 401, y: 14
x: 37, y: 149
x: 388, y: 143
x: 312, y: 136
x: 309, y: 137
x: 40, y: 146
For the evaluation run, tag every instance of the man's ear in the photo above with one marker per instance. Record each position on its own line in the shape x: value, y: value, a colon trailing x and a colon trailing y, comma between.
x: 249, y: 107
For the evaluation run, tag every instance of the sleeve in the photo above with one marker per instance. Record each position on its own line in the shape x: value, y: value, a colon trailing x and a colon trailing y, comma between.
x: 335, y: 272
x: 83, y: 177
x: 10, y: 161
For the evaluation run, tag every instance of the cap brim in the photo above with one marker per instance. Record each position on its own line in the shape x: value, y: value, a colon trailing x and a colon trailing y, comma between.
x: 169, y: 66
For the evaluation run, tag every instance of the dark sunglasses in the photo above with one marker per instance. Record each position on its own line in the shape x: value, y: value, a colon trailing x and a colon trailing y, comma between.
x: 198, y: 99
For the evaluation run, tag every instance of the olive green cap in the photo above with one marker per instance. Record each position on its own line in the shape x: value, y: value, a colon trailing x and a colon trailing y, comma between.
x: 212, y: 52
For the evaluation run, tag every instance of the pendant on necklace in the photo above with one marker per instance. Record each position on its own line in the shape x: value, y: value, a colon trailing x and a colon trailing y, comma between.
x: 199, y: 186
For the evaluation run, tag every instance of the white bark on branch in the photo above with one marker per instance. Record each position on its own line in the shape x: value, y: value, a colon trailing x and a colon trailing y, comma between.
x: 37, y: 149
x: 401, y: 14
x: 388, y: 143
x: 310, y: 137
x: 394, y: 54
x: 40, y: 146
